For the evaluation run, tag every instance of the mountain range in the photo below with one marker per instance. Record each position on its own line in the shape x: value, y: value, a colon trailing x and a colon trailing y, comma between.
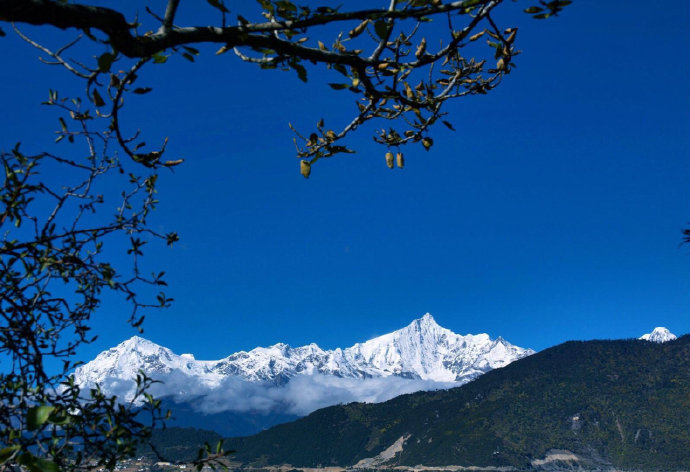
x: 422, y: 350
x: 247, y: 392
x: 294, y: 381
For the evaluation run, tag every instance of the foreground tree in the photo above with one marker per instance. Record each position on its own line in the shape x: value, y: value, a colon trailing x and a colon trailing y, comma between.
x: 60, y: 237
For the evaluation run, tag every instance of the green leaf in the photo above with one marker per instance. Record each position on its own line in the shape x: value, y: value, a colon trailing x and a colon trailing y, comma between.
x: 37, y: 416
x: 42, y: 465
x: 340, y: 68
x: 159, y: 58
x: 59, y: 417
x: 105, y: 60
x: 171, y: 238
x: 338, y: 86
x: 219, y: 5
x: 301, y: 72
x: 533, y: 10
x: 97, y: 99
x: 7, y: 452
x: 266, y: 5
x: 381, y: 28
x: 142, y: 90
x: 34, y: 464
x: 26, y: 459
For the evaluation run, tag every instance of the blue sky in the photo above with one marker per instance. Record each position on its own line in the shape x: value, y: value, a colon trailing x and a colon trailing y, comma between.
x: 554, y: 212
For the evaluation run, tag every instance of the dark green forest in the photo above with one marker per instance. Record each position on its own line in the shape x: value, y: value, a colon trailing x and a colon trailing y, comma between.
x: 177, y: 444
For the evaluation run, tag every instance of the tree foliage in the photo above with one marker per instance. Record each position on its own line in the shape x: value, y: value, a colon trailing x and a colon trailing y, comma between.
x: 67, y: 211
x: 54, y: 267
x: 401, y: 62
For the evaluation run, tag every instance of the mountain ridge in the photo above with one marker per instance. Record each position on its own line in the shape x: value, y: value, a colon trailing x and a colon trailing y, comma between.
x: 249, y: 391
x: 423, y: 350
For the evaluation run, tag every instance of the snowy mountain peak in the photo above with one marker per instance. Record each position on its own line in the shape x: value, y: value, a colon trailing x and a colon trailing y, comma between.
x: 421, y: 328
x: 422, y: 351
x: 426, y: 320
x: 659, y: 335
x: 427, y: 351
x: 137, y: 342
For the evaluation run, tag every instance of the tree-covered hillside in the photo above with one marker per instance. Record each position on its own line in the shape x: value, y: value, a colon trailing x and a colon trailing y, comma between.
x: 177, y: 444
x: 612, y: 403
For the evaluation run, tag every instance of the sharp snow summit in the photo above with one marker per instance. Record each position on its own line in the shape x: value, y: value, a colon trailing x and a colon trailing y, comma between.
x: 659, y: 335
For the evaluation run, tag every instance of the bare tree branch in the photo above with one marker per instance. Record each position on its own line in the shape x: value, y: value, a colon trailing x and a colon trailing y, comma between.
x: 119, y: 31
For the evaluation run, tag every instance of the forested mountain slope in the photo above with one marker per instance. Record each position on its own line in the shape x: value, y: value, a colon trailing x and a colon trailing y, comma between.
x: 622, y: 404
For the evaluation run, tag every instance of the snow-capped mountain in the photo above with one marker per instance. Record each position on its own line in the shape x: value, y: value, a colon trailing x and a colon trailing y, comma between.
x: 423, y: 352
x: 659, y: 335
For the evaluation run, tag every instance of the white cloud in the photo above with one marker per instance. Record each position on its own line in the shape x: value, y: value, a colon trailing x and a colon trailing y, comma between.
x: 300, y: 396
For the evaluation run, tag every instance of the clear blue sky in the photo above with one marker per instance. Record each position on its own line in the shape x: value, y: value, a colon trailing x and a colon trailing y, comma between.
x: 553, y: 213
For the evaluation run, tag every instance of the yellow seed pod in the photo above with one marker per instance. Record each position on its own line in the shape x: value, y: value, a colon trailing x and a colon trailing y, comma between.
x: 400, y: 159
x: 389, y: 160
x: 408, y: 91
x: 475, y: 37
x: 305, y: 168
x: 173, y: 163
x: 501, y: 64
x: 420, y: 49
x: 357, y: 30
